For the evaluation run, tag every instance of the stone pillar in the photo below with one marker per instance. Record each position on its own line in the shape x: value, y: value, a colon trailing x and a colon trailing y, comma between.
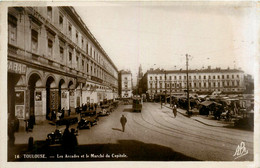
x: 72, y: 100
x: 54, y: 99
x: 40, y: 104
x: 65, y: 101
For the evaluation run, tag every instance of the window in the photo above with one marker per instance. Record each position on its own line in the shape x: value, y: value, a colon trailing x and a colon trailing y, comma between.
x: 170, y: 77
x: 125, y: 78
x: 156, y: 78
x: 233, y: 84
x: 218, y: 84
x: 12, y: 29
x: 82, y: 42
x: 194, y: 77
x: 179, y: 77
x: 151, y: 78
x: 232, y: 76
x: 70, y: 56
x: 50, y: 47
x: 61, y: 21
x: 199, y: 84
x: 189, y: 77
x: 223, y: 84
x: 61, y: 53
x: 160, y: 77
x: 205, y: 84
x: 34, y: 40
x: 87, y: 48
x: 49, y: 13
x: 227, y: 76
x: 184, y: 77
x: 83, y: 64
x: 204, y: 77
x: 175, y: 77
x: 70, y: 29
x: 77, y: 37
x: 87, y: 67
x: 209, y: 77
x: 77, y: 61
x: 214, y: 77
x: 237, y: 83
x: 195, y: 85
x: 237, y: 76
x: 218, y: 77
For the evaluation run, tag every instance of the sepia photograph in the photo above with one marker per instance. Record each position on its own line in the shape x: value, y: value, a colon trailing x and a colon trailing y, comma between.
x: 131, y: 81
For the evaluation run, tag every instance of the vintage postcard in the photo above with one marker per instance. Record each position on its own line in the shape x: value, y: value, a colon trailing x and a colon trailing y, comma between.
x: 127, y: 83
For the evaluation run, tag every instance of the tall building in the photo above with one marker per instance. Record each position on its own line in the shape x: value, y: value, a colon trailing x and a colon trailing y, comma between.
x: 174, y: 82
x: 125, y: 84
x: 54, y: 62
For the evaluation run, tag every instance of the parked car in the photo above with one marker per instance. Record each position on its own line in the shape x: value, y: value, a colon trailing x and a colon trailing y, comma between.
x: 90, y: 116
x: 83, y: 124
x: 105, y: 110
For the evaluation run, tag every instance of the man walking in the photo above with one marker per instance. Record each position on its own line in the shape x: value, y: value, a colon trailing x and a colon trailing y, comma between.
x: 174, y: 110
x: 123, y: 121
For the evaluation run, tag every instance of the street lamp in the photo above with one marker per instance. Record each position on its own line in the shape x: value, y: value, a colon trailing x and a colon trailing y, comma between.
x: 165, y: 86
x: 188, y: 96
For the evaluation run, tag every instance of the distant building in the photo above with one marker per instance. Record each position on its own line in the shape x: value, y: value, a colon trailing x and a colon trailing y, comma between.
x: 125, y: 84
x: 138, y: 89
x: 174, y: 82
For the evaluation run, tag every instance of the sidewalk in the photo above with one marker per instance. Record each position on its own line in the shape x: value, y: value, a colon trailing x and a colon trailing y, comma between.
x: 40, y: 131
x: 206, y: 120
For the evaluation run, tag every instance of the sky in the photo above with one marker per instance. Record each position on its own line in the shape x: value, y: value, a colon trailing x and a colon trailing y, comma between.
x: 160, y: 34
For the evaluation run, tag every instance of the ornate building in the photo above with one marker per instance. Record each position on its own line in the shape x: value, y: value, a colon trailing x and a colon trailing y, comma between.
x: 174, y: 82
x: 125, y: 84
x: 54, y: 62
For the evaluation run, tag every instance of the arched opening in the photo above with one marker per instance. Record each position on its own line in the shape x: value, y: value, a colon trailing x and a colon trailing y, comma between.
x: 50, y: 96
x: 33, y: 81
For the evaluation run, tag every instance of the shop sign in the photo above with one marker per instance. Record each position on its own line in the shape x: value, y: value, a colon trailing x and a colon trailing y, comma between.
x: 16, y: 67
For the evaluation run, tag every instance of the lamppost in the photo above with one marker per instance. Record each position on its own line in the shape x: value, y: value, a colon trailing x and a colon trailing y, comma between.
x: 165, y: 86
x: 188, y: 96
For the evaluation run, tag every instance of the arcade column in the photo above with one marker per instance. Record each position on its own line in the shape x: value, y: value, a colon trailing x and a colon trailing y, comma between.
x: 53, y: 102
x: 40, y: 104
x: 65, y: 101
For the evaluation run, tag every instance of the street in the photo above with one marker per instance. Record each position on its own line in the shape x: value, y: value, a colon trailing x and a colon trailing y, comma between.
x: 154, y: 134
x: 158, y: 126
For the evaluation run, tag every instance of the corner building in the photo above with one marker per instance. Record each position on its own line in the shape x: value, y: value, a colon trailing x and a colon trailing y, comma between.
x: 125, y: 84
x: 54, y: 62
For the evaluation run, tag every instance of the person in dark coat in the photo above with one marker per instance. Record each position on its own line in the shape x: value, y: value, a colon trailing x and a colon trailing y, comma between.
x: 174, y: 110
x: 66, y: 138
x: 123, y: 121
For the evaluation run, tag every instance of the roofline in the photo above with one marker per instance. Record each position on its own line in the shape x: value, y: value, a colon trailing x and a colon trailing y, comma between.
x: 88, y: 33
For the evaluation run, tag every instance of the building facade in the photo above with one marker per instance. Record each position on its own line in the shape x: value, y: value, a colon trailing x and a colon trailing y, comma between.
x: 126, y: 84
x: 174, y: 82
x: 54, y: 62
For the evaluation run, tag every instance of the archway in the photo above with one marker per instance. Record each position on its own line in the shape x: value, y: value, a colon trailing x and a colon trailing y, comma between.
x: 50, y: 97
x: 33, y: 82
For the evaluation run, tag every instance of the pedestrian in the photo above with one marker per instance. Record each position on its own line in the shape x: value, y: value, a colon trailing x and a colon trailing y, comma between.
x: 174, y: 110
x: 73, y: 142
x: 123, y: 121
